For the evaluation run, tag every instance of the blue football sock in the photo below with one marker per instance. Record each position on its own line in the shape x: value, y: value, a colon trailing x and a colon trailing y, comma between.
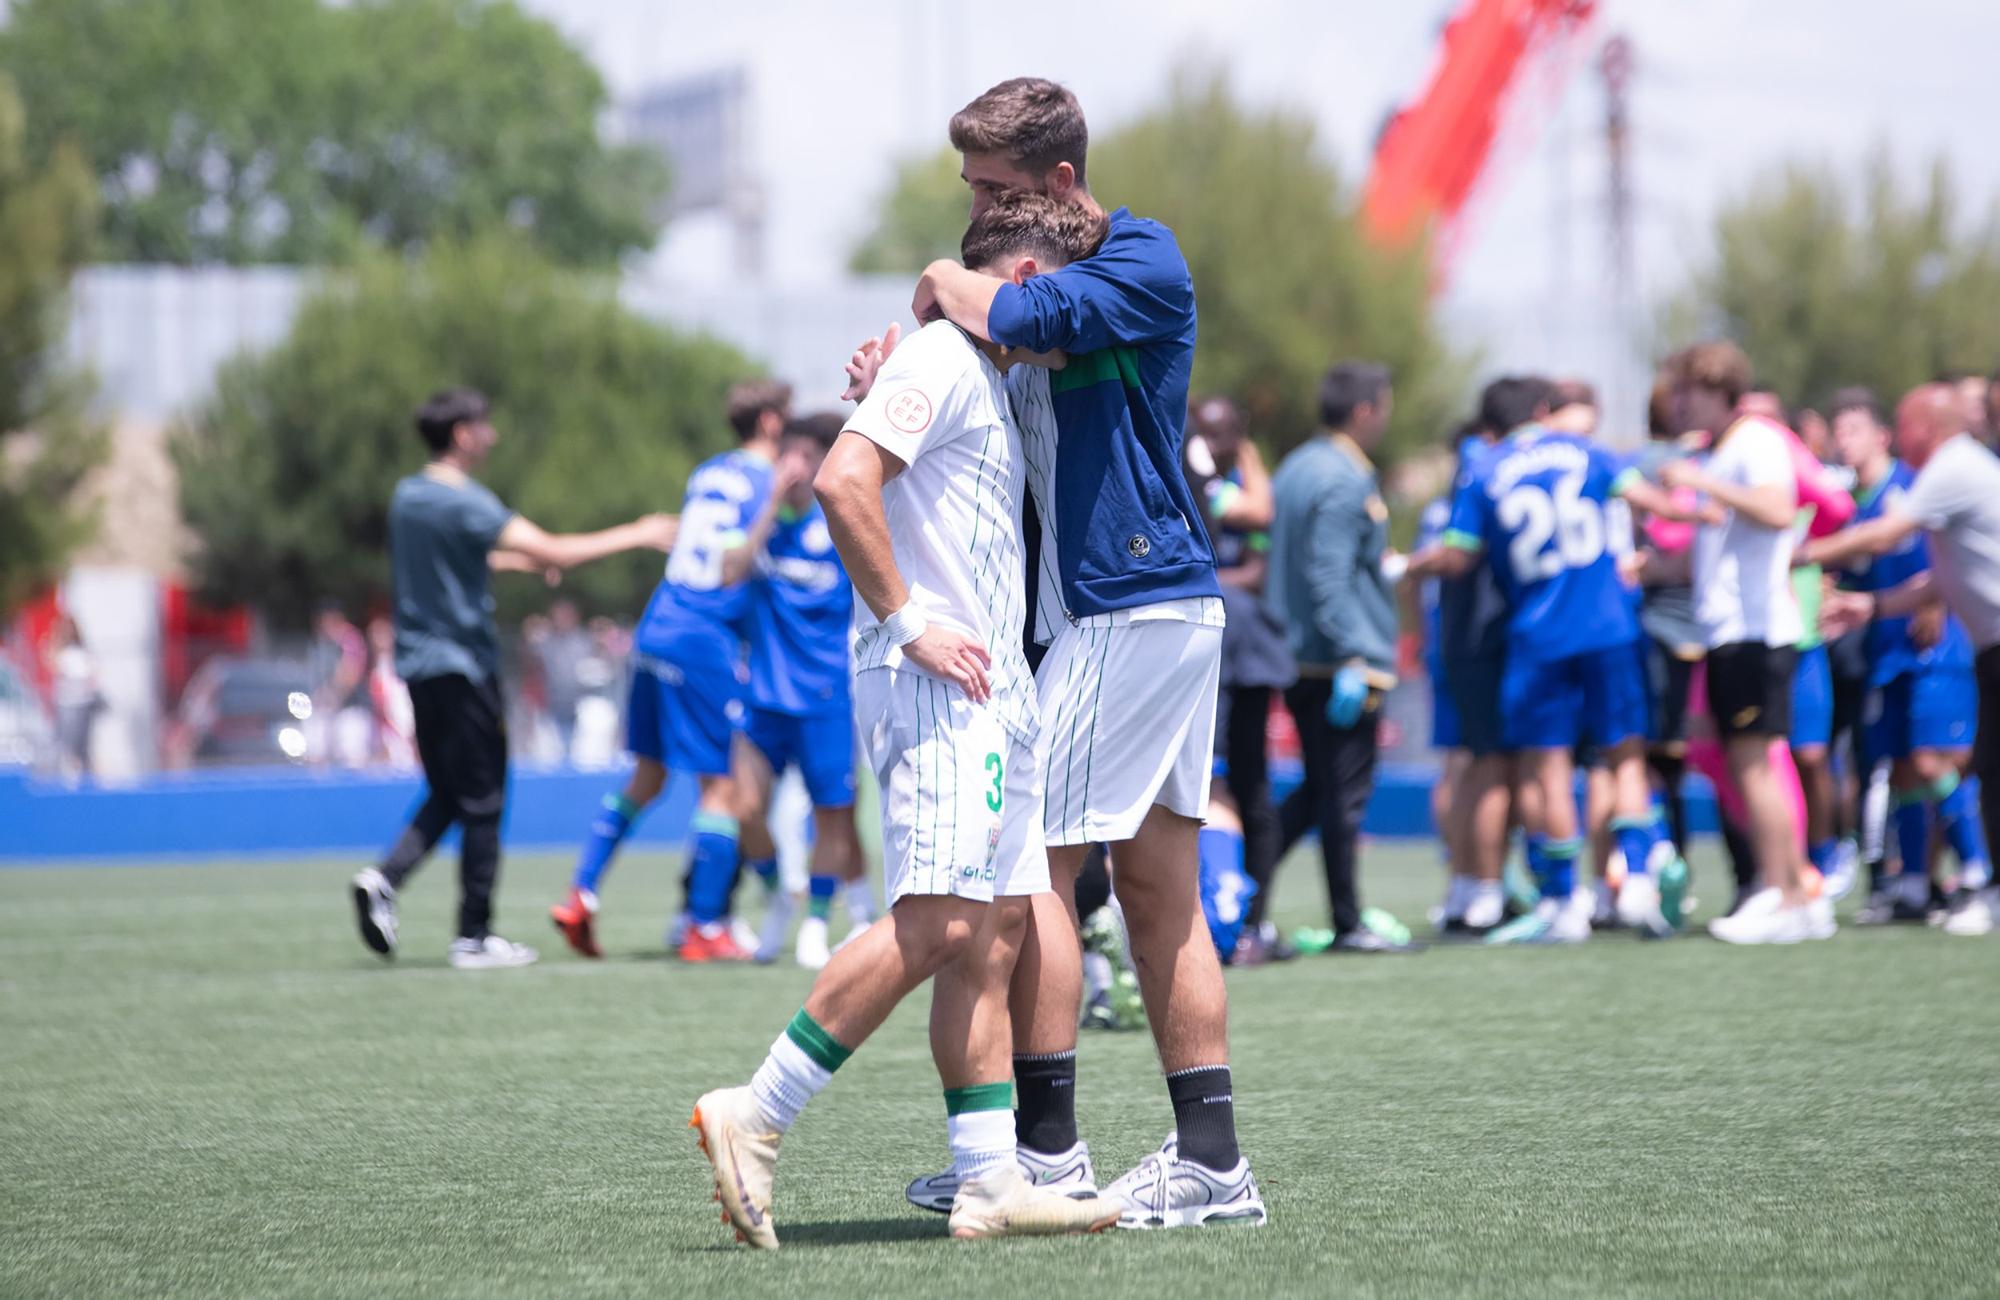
x: 1910, y: 819
x: 1958, y: 814
x: 1554, y: 864
x: 712, y: 867
x: 1825, y: 857
x: 819, y: 896
x: 614, y: 821
x: 1635, y: 837
x: 1220, y: 850
x: 766, y: 870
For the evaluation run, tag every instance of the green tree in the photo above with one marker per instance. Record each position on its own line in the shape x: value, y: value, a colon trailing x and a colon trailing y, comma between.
x: 922, y: 218
x: 288, y: 130
x: 1285, y: 281
x: 286, y: 471
x: 1829, y: 279
x: 47, y: 442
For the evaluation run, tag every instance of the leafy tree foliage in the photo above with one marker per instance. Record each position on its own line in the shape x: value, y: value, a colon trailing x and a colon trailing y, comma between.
x: 290, y: 130
x: 922, y: 217
x: 286, y: 471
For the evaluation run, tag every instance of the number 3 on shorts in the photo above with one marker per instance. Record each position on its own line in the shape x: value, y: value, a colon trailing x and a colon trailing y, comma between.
x: 993, y: 766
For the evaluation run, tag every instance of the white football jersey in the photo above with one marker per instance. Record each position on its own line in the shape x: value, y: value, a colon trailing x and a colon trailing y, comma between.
x: 954, y: 513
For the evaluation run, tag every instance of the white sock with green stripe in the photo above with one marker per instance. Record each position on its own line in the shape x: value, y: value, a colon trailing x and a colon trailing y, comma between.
x: 800, y: 1063
x: 980, y: 1120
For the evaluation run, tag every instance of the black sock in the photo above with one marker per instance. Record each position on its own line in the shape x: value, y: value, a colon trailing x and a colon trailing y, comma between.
x: 1045, y: 1087
x: 1205, y: 1115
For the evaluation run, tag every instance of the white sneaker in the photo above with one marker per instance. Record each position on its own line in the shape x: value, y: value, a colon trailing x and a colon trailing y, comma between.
x: 1068, y: 1172
x: 1165, y: 1191
x: 742, y: 1150
x: 1639, y: 906
x: 777, y: 920
x: 744, y: 934
x: 1486, y: 908
x: 1820, y: 923
x: 1554, y: 921
x: 1764, y: 918
x: 490, y: 953
x: 375, y: 911
x: 1975, y: 915
x: 811, y: 951
x: 1006, y: 1203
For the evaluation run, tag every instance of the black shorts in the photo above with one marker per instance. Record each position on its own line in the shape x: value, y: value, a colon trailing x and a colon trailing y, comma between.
x: 1668, y: 675
x: 462, y: 741
x: 1474, y: 688
x: 1750, y: 688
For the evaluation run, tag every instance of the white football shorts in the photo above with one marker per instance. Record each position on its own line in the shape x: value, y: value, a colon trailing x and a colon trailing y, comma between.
x: 1128, y: 721
x: 961, y: 793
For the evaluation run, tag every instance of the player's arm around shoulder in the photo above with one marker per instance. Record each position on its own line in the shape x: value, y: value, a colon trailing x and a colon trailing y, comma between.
x: 1134, y: 290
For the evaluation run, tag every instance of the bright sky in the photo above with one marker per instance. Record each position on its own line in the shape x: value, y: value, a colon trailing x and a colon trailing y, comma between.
x: 1724, y: 89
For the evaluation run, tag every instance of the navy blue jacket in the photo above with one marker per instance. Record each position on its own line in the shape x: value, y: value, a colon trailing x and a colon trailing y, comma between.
x: 1126, y: 318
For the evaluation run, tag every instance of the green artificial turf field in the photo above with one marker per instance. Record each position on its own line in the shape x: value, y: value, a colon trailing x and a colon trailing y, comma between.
x: 211, y: 1089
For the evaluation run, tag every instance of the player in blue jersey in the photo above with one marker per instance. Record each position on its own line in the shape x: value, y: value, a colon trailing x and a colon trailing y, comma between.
x: 1470, y: 803
x: 688, y: 676
x: 1920, y: 669
x: 1537, y: 510
x: 801, y: 708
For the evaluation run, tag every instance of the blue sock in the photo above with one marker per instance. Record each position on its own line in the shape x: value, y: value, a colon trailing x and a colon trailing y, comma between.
x: 608, y: 830
x: 766, y: 870
x: 819, y: 896
x: 1825, y: 857
x: 711, y: 867
x: 1910, y: 819
x: 1554, y: 864
x: 1958, y: 813
x: 1635, y: 837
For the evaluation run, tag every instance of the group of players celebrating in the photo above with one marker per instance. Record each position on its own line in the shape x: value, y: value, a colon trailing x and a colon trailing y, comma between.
x: 1665, y: 610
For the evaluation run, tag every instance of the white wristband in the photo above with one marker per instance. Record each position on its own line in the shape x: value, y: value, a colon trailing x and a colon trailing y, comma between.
x: 905, y: 625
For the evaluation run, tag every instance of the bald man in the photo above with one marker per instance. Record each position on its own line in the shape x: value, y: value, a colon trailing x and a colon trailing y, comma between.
x: 1956, y: 501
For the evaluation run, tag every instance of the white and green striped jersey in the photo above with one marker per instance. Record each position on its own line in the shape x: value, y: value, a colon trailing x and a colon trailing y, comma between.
x: 940, y: 407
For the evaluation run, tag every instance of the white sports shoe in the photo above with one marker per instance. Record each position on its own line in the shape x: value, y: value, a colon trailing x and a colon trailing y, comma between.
x: 490, y: 953
x: 1554, y: 921
x: 375, y: 911
x: 744, y: 934
x: 1839, y: 883
x: 1819, y: 919
x: 1068, y: 1173
x: 1639, y: 906
x: 1765, y: 918
x: 1975, y: 915
x: 1165, y: 1191
x: 742, y: 1150
x: 1006, y: 1203
x: 777, y: 920
x: 811, y: 951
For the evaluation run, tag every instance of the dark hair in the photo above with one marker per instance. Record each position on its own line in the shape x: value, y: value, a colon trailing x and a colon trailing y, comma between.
x: 1571, y: 392
x: 1348, y: 385
x: 1954, y: 375
x: 1031, y: 121
x: 445, y: 411
x: 1055, y: 232
x: 1719, y: 365
x: 1512, y: 401
x: 750, y: 399
x: 1855, y: 398
x: 821, y: 427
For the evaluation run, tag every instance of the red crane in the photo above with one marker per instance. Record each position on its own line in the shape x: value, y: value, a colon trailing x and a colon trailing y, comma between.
x: 1432, y: 153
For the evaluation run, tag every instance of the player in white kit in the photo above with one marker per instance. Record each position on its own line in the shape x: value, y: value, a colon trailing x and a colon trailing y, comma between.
x: 923, y: 494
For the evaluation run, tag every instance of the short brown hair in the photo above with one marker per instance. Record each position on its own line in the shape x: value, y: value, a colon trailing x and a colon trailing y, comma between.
x: 1033, y: 122
x: 1571, y: 392
x: 1055, y: 232
x: 1718, y: 364
x: 749, y: 399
